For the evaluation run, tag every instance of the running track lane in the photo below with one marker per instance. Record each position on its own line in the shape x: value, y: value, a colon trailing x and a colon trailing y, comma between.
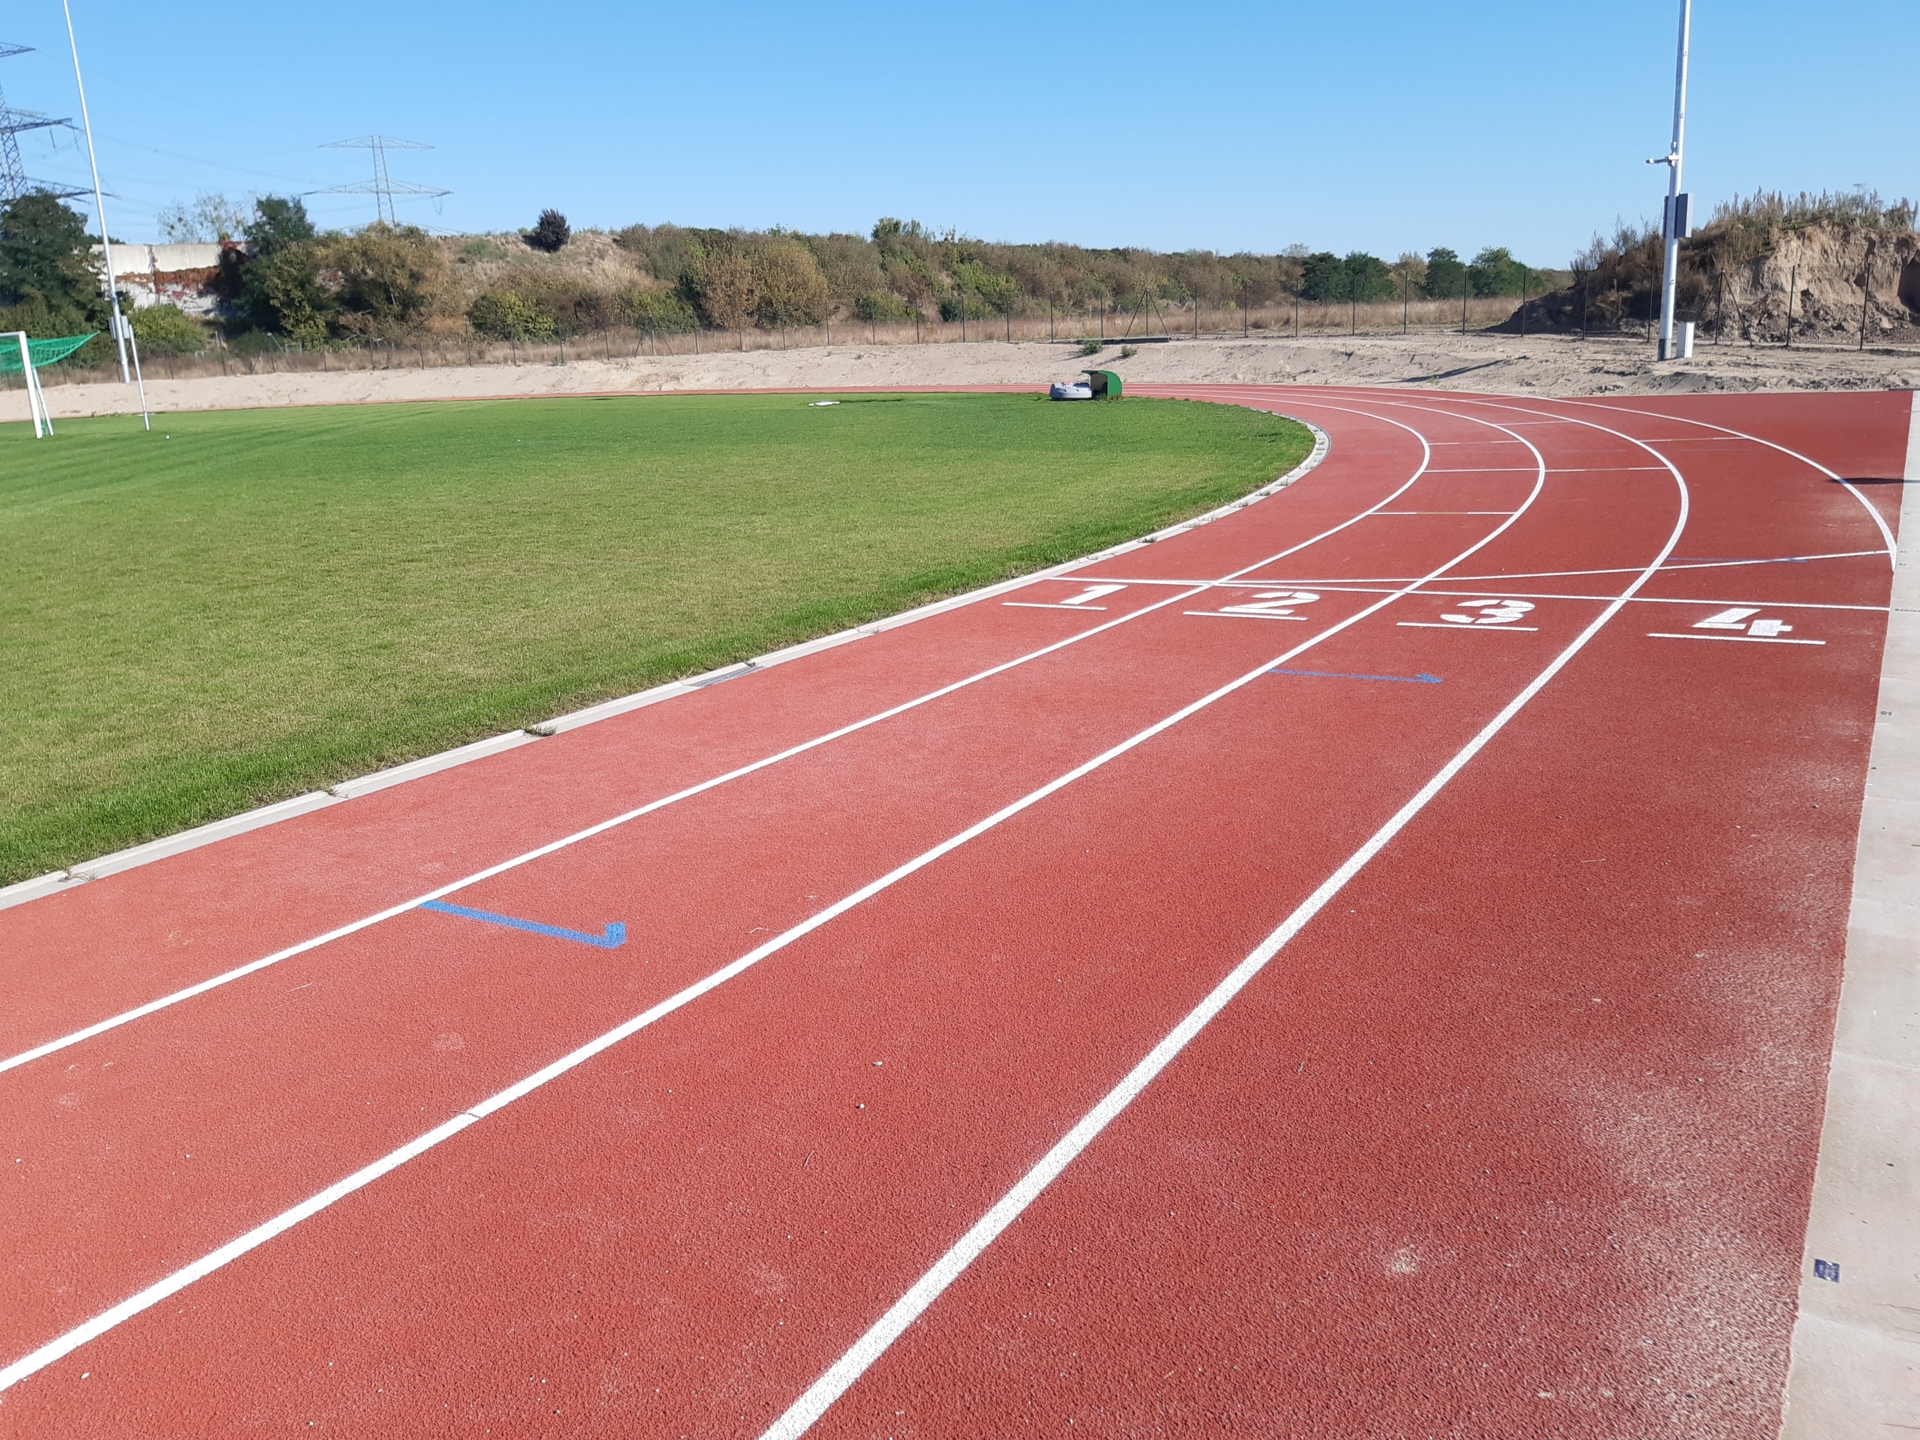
x: 1224, y: 826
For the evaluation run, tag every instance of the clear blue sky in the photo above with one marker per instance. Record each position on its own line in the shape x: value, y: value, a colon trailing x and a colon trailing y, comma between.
x: 1359, y: 124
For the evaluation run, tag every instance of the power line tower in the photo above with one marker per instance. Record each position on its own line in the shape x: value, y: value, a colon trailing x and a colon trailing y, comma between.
x: 381, y: 187
x: 13, y: 173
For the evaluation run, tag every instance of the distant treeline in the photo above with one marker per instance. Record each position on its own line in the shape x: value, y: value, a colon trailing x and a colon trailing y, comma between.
x: 730, y: 278
x: 281, y: 278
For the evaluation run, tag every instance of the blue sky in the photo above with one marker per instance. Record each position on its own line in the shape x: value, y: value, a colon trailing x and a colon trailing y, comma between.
x: 1357, y: 125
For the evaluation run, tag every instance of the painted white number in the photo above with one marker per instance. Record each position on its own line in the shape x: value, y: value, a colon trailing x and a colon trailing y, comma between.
x: 1491, y: 612
x: 1271, y: 602
x: 1737, y: 617
x: 1092, y: 592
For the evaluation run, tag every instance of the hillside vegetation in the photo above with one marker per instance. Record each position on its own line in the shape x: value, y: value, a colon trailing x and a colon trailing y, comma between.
x: 280, y: 277
x: 1834, y: 263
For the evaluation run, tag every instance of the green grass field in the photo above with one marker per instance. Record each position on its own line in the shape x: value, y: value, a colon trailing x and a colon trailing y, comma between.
x: 245, y: 605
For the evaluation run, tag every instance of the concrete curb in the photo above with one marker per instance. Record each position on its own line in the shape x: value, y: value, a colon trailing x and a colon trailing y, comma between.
x: 60, y: 880
x: 1856, y: 1339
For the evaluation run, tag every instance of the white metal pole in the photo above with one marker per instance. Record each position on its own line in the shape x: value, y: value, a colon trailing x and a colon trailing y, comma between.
x: 1670, y: 270
x: 26, y: 375
x: 39, y: 396
x: 99, y: 202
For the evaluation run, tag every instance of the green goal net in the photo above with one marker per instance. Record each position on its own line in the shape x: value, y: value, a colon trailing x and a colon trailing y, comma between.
x: 45, y: 352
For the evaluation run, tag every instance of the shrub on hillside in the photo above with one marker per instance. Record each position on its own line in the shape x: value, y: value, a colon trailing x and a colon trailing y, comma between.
x: 657, y: 310
x: 550, y: 232
x: 388, y: 277
x: 167, y: 330
x: 792, y: 291
x: 505, y: 315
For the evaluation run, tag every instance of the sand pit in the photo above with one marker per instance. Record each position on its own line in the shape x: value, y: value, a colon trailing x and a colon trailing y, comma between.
x: 1544, y: 365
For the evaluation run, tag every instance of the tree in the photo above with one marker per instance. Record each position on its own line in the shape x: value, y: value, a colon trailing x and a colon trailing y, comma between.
x: 210, y: 217
x: 1322, y: 276
x: 792, y: 289
x: 274, y: 282
x: 550, y: 233
x: 1446, y: 276
x: 47, y: 274
x: 1366, y: 277
x: 389, y: 277
x: 724, y: 284
x: 1494, y: 271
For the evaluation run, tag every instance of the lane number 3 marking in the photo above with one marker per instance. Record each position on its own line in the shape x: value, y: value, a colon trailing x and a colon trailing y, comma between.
x: 1490, y: 612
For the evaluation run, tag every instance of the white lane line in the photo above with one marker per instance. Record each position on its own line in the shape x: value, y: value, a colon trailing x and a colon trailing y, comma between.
x: 1044, y: 605
x: 172, y: 1284
x: 1342, y: 587
x: 1562, y: 574
x: 240, y: 972
x: 814, y: 1403
x: 1743, y: 639
x: 1886, y: 532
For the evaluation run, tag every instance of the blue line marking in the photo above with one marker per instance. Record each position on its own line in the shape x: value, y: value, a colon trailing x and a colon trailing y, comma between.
x: 615, y: 937
x: 1421, y: 679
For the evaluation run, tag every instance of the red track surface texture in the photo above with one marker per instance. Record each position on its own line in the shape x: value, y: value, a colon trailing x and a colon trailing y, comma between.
x: 1509, y: 1130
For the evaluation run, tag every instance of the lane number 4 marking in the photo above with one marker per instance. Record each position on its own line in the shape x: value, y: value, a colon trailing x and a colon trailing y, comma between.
x: 1736, y: 618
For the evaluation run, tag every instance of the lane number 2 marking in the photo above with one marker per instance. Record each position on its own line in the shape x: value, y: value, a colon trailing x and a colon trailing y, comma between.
x: 1275, y: 604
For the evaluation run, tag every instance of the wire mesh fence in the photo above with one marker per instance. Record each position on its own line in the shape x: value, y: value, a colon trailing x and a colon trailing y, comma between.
x: 1155, y: 322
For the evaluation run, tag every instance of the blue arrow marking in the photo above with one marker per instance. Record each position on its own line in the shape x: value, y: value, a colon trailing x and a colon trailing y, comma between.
x: 615, y: 937
x: 1421, y: 679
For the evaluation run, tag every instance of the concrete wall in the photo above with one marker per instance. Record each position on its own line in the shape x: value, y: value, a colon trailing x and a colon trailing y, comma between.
x: 167, y: 274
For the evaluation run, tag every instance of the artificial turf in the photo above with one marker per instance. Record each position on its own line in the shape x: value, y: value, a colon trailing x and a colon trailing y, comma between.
x: 244, y: 605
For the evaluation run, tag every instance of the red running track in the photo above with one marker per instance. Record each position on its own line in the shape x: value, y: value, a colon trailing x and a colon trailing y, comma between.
x: 1262, y: 1003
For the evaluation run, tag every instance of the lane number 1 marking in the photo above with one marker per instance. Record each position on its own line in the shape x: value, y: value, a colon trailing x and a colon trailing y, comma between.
x: 1082, y: 601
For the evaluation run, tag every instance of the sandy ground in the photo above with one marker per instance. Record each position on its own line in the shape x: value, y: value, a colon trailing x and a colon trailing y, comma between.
x: 1505, y: 364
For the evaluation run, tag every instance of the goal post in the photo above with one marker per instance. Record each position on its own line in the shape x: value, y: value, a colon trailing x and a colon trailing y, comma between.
x: 24, y: 356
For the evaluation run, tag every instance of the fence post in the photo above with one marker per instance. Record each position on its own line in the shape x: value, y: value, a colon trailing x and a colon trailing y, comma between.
x: 1465, y: 287
x: 1406, y: 296
x: 1792, y: 285
x: 1866, y: 295
x: 1353, y: 308
x: 1524, y: 273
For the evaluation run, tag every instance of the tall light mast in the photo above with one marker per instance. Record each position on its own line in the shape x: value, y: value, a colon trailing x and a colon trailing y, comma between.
x: 122, y: 331
x: 1675, y: 225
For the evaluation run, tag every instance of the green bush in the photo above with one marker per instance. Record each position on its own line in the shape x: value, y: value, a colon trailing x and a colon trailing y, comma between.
x: 882, y: 305
x: 167, y: 330
x: 504, y: 315
x: 662, y: 310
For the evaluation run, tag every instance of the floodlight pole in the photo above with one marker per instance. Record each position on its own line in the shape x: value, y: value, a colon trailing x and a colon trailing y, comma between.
x: 122, y: 331
x: 1675, y: 223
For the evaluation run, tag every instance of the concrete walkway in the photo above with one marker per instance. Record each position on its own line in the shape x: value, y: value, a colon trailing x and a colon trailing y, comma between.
x: 1856, y: 1344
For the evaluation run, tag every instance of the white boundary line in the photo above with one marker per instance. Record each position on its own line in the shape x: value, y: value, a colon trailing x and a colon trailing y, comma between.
x: 239, y: 972
x: 820, y: 1396
x: 1363, y: 588
x: 172, y: 1284
x: 56, y: 881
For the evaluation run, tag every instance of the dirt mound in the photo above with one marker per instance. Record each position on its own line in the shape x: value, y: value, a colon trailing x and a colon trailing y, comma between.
x: 1741, y: 282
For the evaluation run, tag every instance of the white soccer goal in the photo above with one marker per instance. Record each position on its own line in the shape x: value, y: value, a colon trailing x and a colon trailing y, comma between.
x: 36, y: 399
